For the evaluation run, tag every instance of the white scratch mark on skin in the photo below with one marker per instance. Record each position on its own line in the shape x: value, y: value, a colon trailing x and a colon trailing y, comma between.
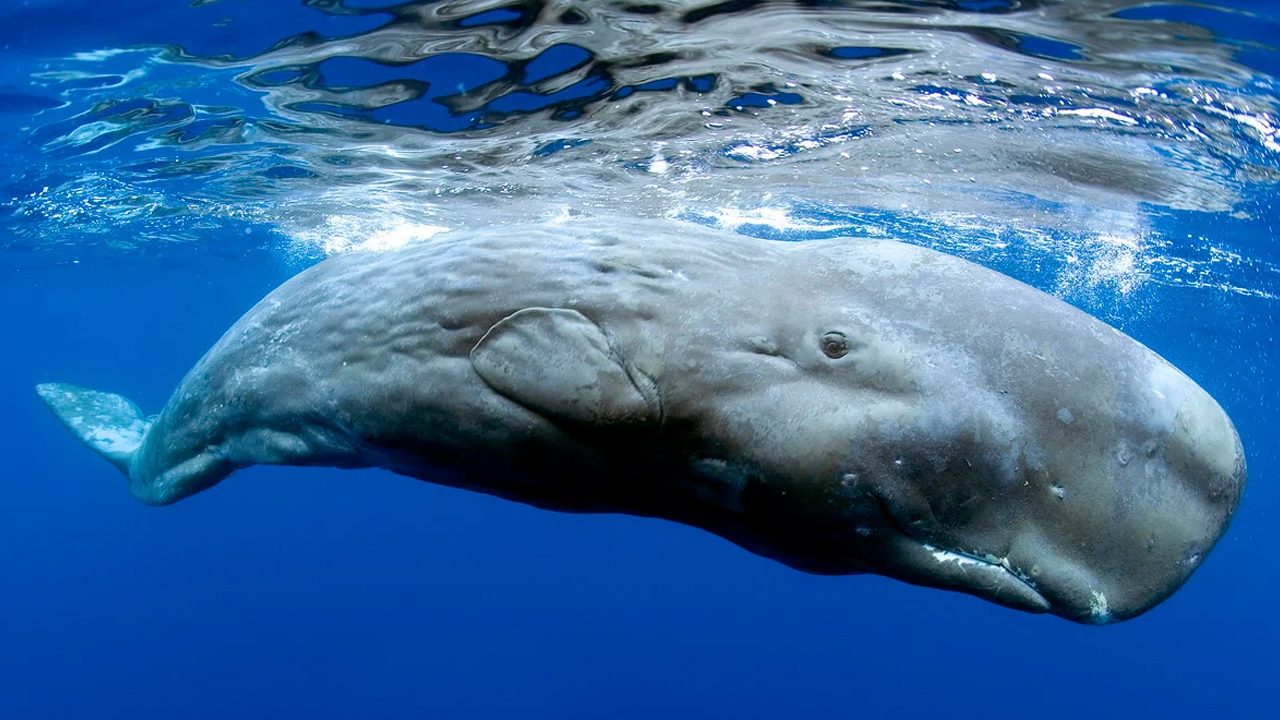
x: 986, y: 561
x: 946, y: 556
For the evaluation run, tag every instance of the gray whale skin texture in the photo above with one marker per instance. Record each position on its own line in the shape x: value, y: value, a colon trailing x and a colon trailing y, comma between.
x: 841, y: 406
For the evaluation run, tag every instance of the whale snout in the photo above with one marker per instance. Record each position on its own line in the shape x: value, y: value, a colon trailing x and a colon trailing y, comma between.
x: 1172, y: 495
x: 1109, y: 509
x: 1133, y: 509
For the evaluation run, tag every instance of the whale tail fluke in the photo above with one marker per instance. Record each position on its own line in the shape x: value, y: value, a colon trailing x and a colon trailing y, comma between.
x: 110, y: 424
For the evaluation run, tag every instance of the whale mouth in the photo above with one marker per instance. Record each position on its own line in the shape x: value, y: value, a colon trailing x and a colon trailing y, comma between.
x: 920, y: 562
x: 990, y: 579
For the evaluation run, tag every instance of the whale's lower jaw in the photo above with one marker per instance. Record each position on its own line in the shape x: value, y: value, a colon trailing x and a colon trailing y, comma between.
x: 921, y: 563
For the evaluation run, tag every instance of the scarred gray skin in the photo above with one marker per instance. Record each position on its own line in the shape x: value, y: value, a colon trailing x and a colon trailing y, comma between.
x: 977, y: 434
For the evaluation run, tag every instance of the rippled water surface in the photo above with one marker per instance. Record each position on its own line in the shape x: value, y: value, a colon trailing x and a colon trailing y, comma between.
x: 1065, y: 134
x: 166, y: 163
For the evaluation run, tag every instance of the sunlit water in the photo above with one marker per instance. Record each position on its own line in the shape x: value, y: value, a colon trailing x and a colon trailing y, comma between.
x: 1054, y: 134
x: 1123, y: 155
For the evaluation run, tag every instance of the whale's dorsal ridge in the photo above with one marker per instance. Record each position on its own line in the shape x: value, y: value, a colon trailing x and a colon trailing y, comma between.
x: 559, y: 364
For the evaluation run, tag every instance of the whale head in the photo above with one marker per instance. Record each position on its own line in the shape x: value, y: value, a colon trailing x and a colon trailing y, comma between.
x: 909, y: 413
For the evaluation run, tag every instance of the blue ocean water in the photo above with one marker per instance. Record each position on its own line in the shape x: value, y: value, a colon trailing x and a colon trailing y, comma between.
x: 166, y: 164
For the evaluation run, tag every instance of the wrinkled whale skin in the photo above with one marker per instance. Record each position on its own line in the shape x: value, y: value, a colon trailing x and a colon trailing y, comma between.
x: 842, y: 406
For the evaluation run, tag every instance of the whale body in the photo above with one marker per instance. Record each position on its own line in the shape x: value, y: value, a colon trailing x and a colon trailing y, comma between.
x: 842, y: 406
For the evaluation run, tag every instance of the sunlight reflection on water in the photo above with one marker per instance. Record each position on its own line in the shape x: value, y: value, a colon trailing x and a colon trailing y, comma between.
x: 1060, y: 130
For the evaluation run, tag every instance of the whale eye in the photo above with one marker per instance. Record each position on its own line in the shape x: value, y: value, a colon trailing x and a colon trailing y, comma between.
x: 835, y: 345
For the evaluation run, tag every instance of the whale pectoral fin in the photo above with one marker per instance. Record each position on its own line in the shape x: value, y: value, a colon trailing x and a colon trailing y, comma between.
x: 110, y: 424
x: 559, y: 364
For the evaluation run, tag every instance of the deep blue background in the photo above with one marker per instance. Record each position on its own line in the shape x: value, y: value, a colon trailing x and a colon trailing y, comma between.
x: 292, y: 593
